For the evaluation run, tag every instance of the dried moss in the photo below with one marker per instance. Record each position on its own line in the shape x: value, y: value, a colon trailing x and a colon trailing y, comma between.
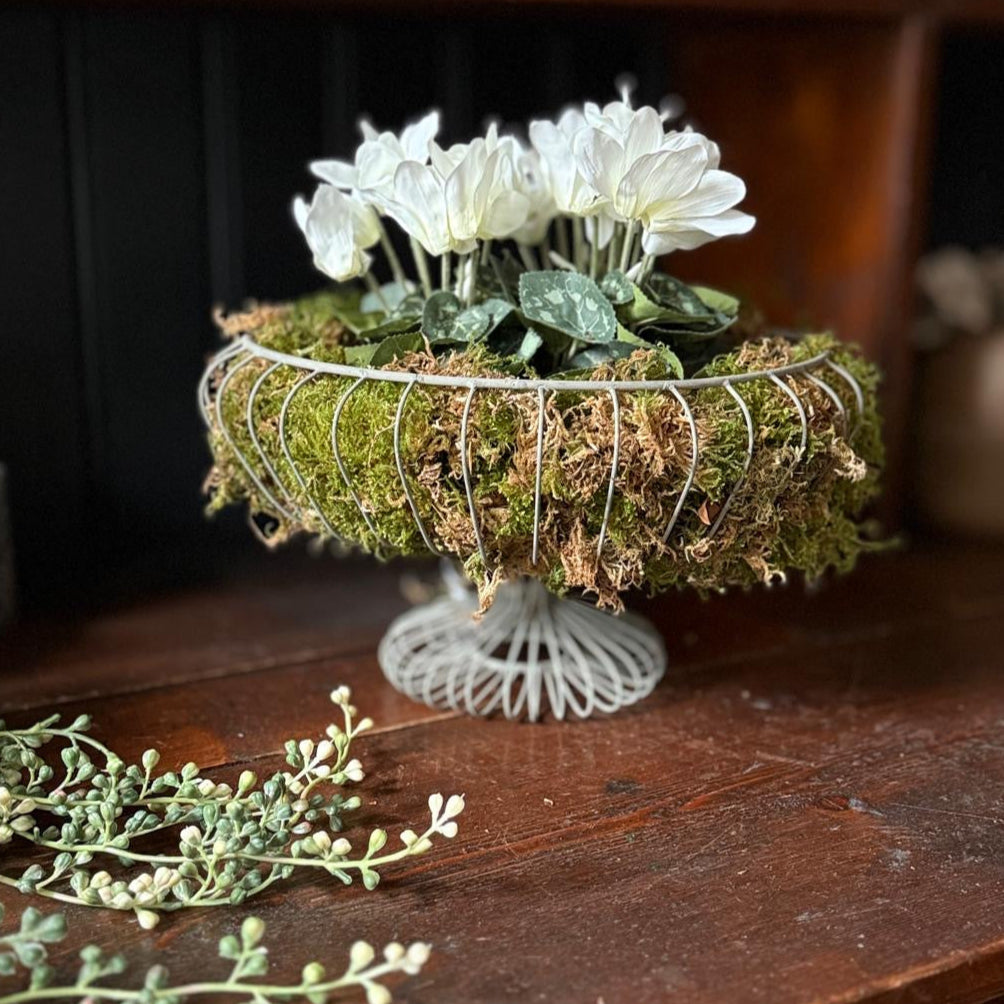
x: 790, y: 513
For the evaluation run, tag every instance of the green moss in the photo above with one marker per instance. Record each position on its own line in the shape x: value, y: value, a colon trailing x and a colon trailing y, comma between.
x: 790, y: 513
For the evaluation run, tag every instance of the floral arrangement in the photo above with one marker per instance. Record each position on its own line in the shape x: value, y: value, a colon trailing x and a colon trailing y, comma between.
x: 232, y: 842
x: 534, y: 260
x: 546, y: 252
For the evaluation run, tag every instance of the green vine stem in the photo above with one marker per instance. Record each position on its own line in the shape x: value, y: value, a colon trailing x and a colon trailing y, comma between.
x: 232, y: 842
x: 24, y: 951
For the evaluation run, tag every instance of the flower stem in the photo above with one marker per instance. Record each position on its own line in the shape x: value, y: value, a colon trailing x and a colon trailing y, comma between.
x: 628, y: 245
x: 561, y: 231
x: 579, y: 243
x: 422, y: 264
x: 486, y: 249
x: 647, y: 264
x: 528, y: 259
x: 594, y: 253
x: 392, y: 259
x: 444, y: 270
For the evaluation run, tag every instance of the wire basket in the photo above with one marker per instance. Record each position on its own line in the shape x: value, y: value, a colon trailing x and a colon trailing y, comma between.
x: 531, y: 651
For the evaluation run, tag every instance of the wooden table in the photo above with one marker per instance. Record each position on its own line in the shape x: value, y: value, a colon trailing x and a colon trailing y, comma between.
x: 809, y: 808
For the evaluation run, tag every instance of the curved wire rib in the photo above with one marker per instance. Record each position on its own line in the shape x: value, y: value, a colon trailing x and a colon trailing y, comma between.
x: 231, y: 442
x: 538, y: 475
x: 859, y: 397
x: 338, y: 456
x: 531, y: 653
x: 608, y: 508
x: 249, y: 414
x: 832, y: 395
x: 799, y: 407
x: 693, y: 463
x: 466, y: 469
x: 287, y: 401
x: 214, y: 364
x: 748, y: 418
x: 399, y: 460
x: 516, y: 384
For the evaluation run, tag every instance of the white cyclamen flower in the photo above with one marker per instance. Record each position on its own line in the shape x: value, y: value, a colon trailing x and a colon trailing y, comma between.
x: 677, y: 193
x: 554, y: 141
x: 532, y: 183
x: 468, y: 193
x: 338, y: 229
x: 378, y: 157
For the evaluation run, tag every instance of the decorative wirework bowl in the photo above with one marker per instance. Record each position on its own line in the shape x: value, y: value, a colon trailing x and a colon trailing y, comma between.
x: 541, y: 487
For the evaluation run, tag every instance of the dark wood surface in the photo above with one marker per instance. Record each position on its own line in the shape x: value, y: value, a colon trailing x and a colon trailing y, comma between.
x: 809, y: 808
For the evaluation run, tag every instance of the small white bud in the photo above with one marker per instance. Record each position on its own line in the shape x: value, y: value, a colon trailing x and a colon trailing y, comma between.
x: 322, y: 840
x: 409, y: 837
x: 364, y: 725
x: 394, y: 952
x: 422, y: 846
x: 377, y: 993
x: 191, y: 835
x: 454, y: 806
x: 341, y: 847
x: 148, y: 920
x: 100, y: 879
x: 360, y: 955
x: 219, y: 848
x: 449, y: 830
x: 354, y: 770
x: 325, y: 748
x: 306, y: 748
x: 341, y: 695
x: 436, y: 804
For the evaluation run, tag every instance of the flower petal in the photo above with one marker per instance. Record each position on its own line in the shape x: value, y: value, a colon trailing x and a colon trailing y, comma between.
x: 339, y: 173
x: 415, y: 138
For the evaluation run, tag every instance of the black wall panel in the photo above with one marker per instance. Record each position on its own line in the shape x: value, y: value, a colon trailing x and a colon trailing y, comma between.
x: 148, y: 160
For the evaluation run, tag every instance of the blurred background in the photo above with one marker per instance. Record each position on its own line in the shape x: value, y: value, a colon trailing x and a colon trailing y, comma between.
x: 149, y: 153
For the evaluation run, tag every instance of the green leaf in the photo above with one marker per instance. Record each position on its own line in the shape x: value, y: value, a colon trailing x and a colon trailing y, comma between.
x: 392, y: 326
x: 617, y: 288
x: 597, y: 355
x: 669, y: 307
x: 345, y: 304
x: 444, y: 320
x: 723, y: 303
x: 361, y: 355
x: 394, y: 296
x: 568, y: 303
x: 396, y: 345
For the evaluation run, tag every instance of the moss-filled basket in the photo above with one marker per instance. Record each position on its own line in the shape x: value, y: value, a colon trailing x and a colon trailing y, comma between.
x: 758, y: 465
x: 557, y: 416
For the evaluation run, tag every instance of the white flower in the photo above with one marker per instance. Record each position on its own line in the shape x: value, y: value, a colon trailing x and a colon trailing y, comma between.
x: 338, y: 229
x: 531, y: 182
x: 378, y: 157
x: 554, y: 141
x: 467, y: 193
x: 676, y: 192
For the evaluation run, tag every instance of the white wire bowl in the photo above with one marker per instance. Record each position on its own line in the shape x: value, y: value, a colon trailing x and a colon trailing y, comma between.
x: 531, y: 652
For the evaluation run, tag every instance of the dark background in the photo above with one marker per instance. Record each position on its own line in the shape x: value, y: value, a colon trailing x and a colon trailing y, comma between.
x: 147, y: 163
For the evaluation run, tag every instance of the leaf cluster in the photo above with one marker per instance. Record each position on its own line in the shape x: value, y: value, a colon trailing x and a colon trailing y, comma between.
x: 230, y: 842
x: 550, y: 321
x: 24, y: 952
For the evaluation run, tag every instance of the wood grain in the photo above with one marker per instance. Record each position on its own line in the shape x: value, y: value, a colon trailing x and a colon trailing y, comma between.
x: 808, y: 808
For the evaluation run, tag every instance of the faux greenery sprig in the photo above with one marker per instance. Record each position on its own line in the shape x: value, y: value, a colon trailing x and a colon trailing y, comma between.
x: 25, y: 950
x: 232, y: 842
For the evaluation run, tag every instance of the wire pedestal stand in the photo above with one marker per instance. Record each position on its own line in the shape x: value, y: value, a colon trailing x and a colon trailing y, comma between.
x: 531, y: 652
x: 530, y: 648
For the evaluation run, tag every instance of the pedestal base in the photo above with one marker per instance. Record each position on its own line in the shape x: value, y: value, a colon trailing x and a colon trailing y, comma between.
x: 530, y: 651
